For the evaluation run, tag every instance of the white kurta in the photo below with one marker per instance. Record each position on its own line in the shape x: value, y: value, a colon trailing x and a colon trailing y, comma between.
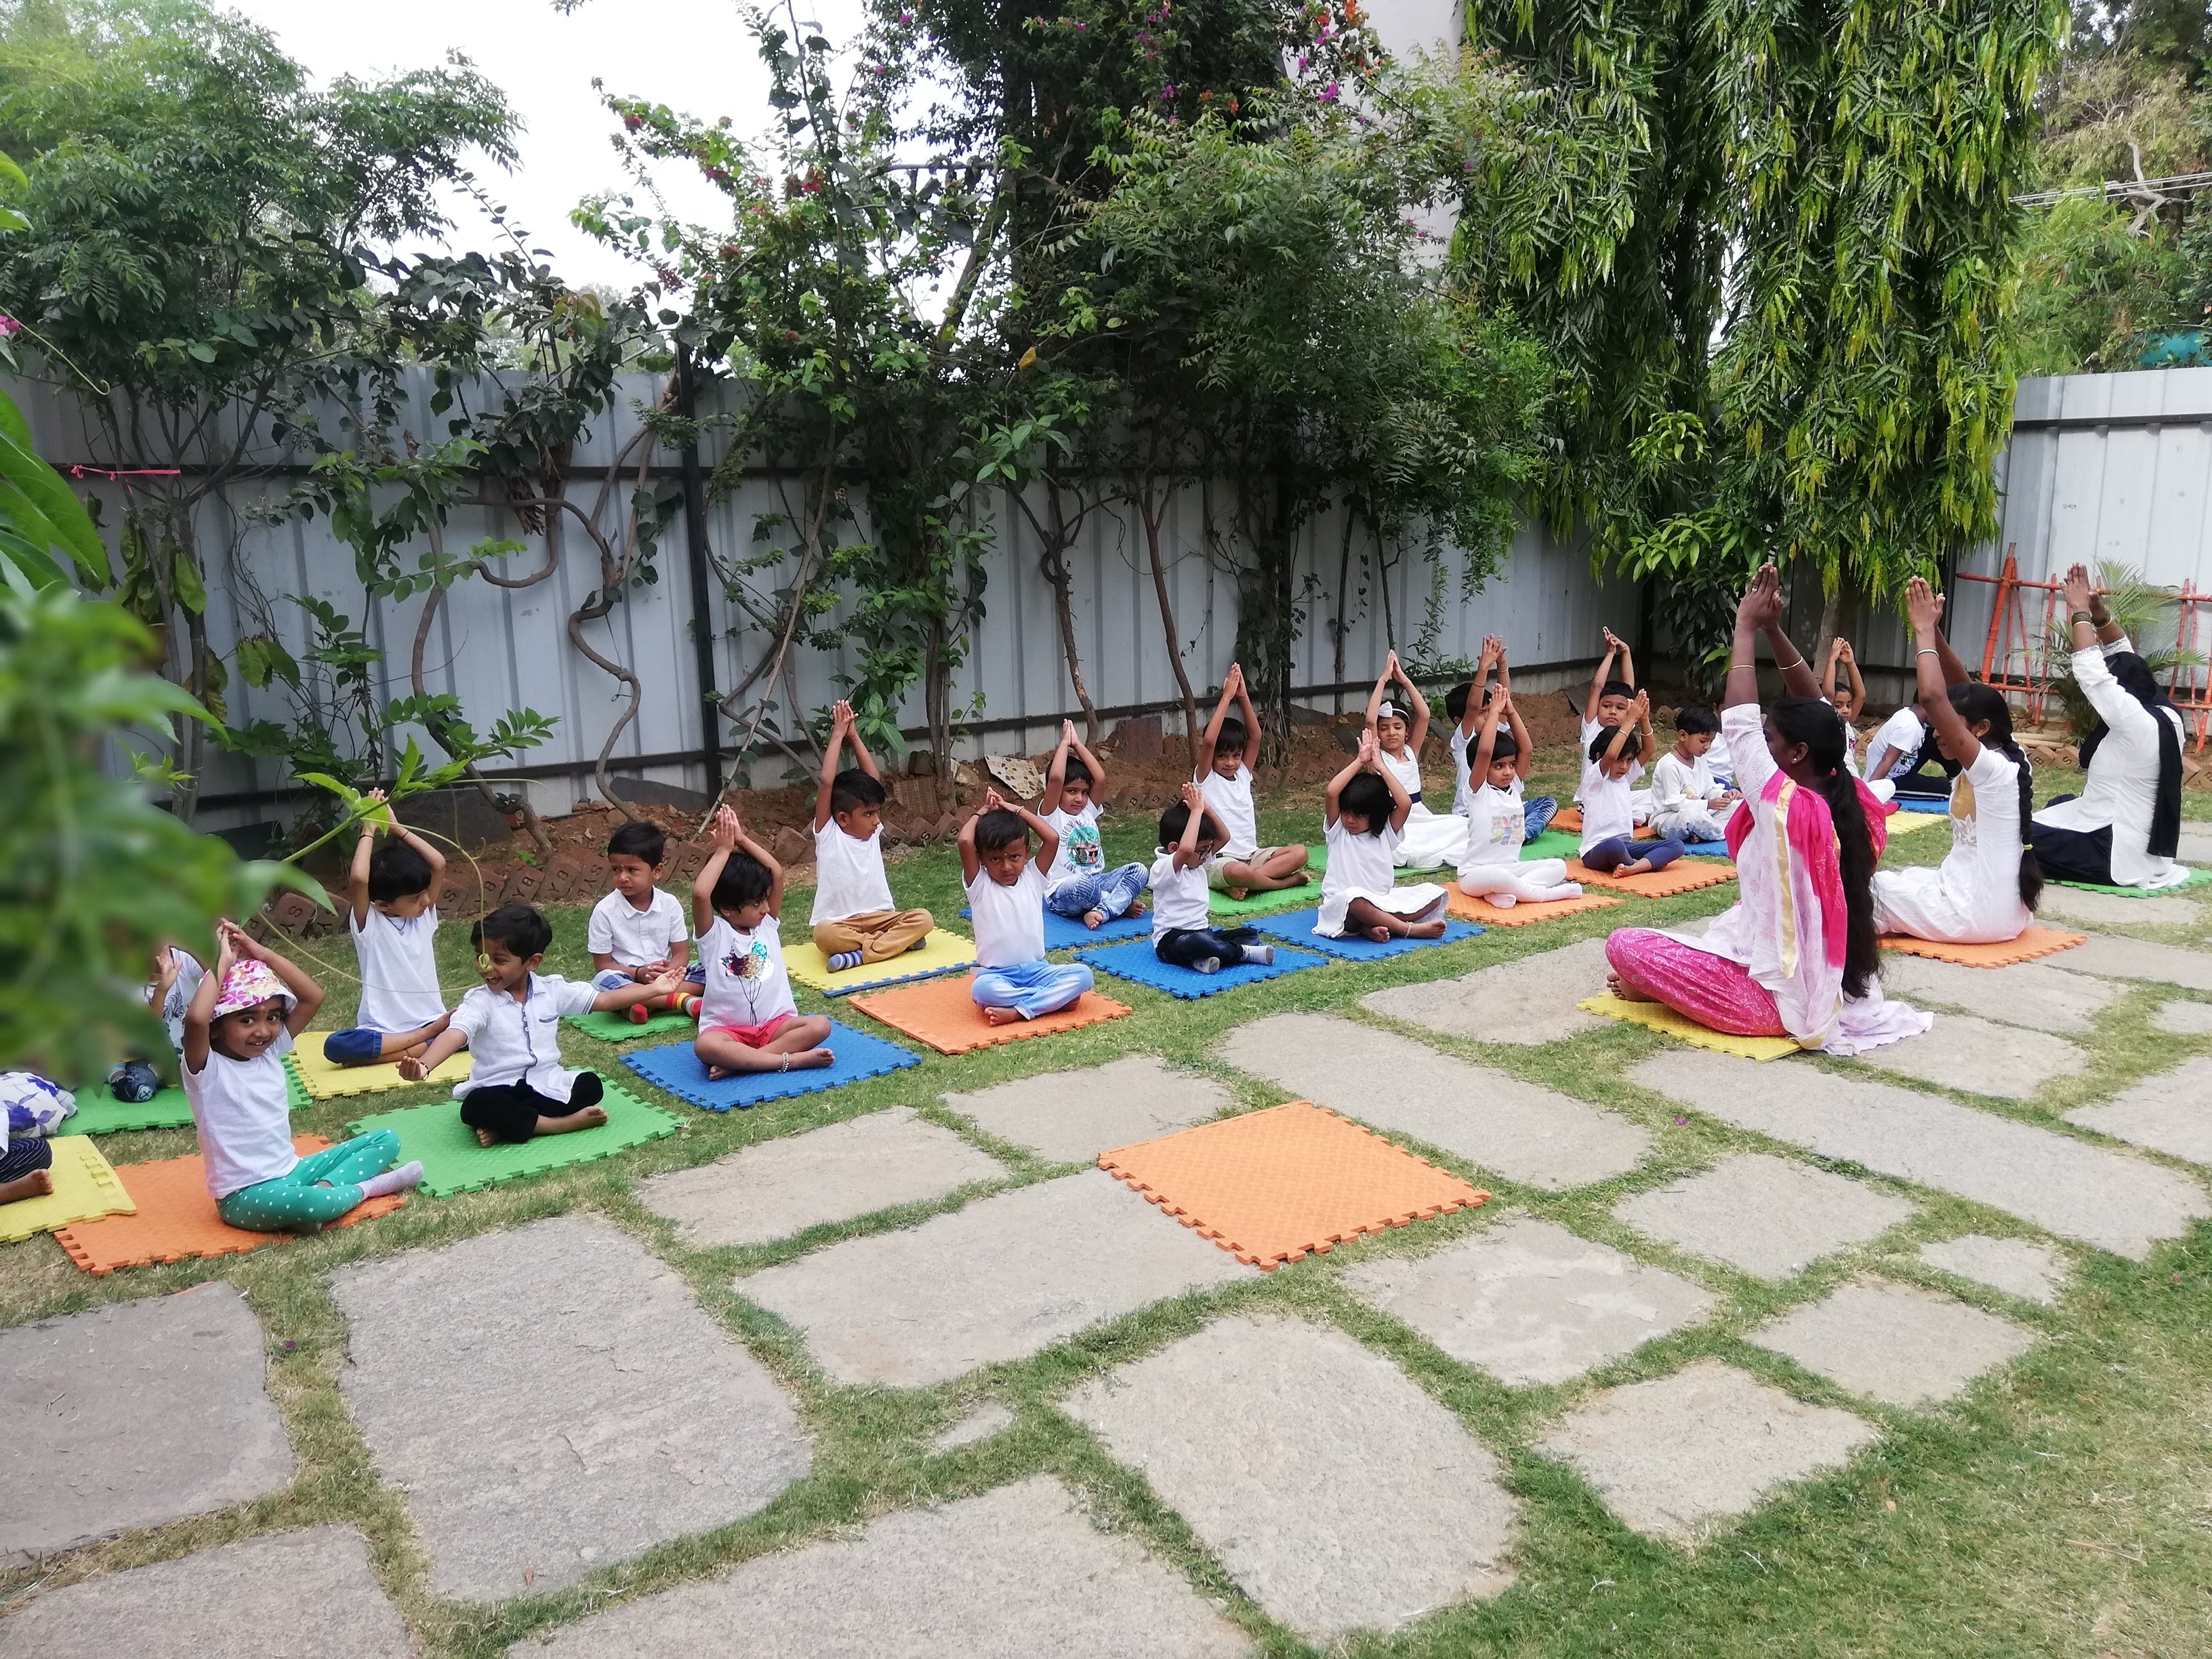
x: 1972, y: 897
x: 1359, y: 867
x: 2122, y: 788
x: 1431, y: 839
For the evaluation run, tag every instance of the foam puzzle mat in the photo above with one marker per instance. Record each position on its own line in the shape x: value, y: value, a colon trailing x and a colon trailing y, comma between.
x: 940, y: 953
x: 942, y: 1012
x: 1481, y: 910
x: 1296, y: 927
x: 327, y: 1082
x: 2196, y: 879
x: 683, y: 1074
x: 1069, y: 933
x: 619, y: 1028
x: 2033, y: 943
x: 100, y: 1113
x: 453, y: 1162
x: 1135, y: 963
x: 1676, y: 878
x: 1657, y: 1017
x: 85, y: 1186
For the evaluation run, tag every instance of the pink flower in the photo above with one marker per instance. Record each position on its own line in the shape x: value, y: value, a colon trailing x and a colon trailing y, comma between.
x: 1329, y: 93
x: 10, y: 328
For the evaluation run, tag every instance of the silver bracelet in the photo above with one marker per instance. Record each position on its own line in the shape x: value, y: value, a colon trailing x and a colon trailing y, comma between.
x: 1929, y: 651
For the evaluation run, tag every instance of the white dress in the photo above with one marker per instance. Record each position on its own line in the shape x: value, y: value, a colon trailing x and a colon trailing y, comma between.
x: 2122, y: 788
x: 1359, y: 867
x: 1429, y: 839
x: 1972, y: 897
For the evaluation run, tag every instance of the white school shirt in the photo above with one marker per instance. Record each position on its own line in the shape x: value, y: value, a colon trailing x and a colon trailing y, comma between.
x: 1676, y: 783
x: 398, y: 969
x: 1902, y: 734
x: 1179, y: 897
x: 1231, y: 801
x: 1081, y: 853
x: 1008, y: 917
x: 745, y: 981
x: 1608, y: 809
x: 634, y: 937
x: 1359, y: 865
x: 1497, y: 824
x: 849, y: 875
x: 512, y: 1042
x: 190, y: 973
x: 242, y: 1110
x: 1463, y: 745
x: 2121, y: 787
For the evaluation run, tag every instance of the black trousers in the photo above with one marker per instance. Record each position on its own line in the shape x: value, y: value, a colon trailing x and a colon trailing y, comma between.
x: 2073, y: 855
x: 1186, y: 947
x: 26, y: 1155
x: 511, y: 1110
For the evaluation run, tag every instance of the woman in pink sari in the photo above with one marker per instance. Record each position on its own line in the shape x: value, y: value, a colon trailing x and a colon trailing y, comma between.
x: 1796, y: 956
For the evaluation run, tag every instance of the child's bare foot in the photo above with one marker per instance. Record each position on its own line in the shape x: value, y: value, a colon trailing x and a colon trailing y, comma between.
x: 1426, y: 930
x: 1635, y: 869
x: 1002, y: 1016
x: 812, y: 1060
x: 1378, y: 935
x: 1136, y: 908
x: 37, y: 1184
x: 486, y: 1138
x: 1625, y: 992
x: 1094, y: 918
x: 588, y: 1117
x: 1238, y: 893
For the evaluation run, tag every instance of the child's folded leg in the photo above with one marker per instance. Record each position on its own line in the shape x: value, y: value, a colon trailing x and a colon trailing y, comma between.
x: 1028, y: 989
x: 322, y: 1187
x: 1120, y: 888
x: 514, y: 1112
x: 1610, y: 854
x: 1661, y: 853
x: 1536, y: 815
x: 1720, y: 995
x: 360, y: 1046
x: 611, y: 979
x: 878, y: 935
x: 1077, y: 896
x: 787, y: 1043
x: 23, y: 1168
x: 1538, y: 881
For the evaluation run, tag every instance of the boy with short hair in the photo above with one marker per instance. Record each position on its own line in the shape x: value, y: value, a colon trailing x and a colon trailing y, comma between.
x: 1469, y: 712
x: 748, y: 1020
x: 853, y: 922
x: 1226, y: 751
x: 1686, y: 797
x: 392, y: 916
x: 1006, y: 900
x: 637, y: 933
x: 1183, y: 934
x: 1080, y: 884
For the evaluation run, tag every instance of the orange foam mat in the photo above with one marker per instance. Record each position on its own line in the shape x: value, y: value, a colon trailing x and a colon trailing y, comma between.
x: 2035, y: 942
x: 942, y: 1013
x: 1679, y: 877
x: 1569, y: 818
x: 176, y: 1220
x: 1468, y: 908
x: 1272, y: 1186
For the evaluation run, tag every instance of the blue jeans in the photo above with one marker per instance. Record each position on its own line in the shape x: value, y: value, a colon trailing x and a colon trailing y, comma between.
x: 1111, y: 891
x: 1030, y: 989
x: 1608, y: 856
x: 1538, y: 814
x: 354, y: 1045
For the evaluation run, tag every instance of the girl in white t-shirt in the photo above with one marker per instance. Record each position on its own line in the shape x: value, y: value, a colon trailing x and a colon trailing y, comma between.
x: 1609, y: 844
x: 1490, y: 864
x: 748, y: 1020
x: 1364, y: 814
x: 1078, y: 883
x: 1400, y: 725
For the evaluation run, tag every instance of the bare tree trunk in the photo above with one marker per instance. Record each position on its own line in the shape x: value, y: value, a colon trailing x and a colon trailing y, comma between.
x: 937, y: 711
x: 1343, y: 589
x: 1054, y: 563
x: 1149, y: 509
x: 538, y: 838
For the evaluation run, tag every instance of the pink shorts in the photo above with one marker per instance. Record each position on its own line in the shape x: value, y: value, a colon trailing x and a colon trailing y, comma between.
x: 753, y: 1036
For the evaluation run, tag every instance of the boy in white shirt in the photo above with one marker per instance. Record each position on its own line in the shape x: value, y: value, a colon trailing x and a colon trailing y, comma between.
x: 1491, y: 868
x: 1609, y: 703
x: 1686, y: 799
x: 1609, y: 844
x: 637, y: 933
x: 748, y: 1020
x: 1183, y: 934
x: 1467, y: 706
x: 177, y: 975
x: 853, y: 922
x: 1080, y: 884
x: 1006, y: 900
x: 1226, y: 751
x: 392, y: 916
x: 517, y: 1088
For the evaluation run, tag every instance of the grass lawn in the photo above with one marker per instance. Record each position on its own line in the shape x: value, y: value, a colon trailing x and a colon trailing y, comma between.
x: 2064, y: 1506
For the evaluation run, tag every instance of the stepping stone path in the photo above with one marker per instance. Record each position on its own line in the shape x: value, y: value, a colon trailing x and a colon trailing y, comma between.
x: 780, y: 1188
x: 1070, y: 1117
x: 2134, y: 958
x: 2196, y: 844
x: 1335, y: 1490
x: 552, y: 1400
x: 1526, y: 1133
x: 2115, y: 1201
x: 1003, y: 1279
x: 1895, y: 1344
x: 1963, y: 1052
x: 2031, y: 994
x: 985, y: 1420
x: 1529, y: 1000
x: 1530, y: 1301
x: 2114, y: 910
x: 134, y: 1415
x: 2033, y: 1272
x: 2185, y: 1018
x: 1014, y: 1573
x: 1770, y: 1217
x: 2170, y: 1113
x: 278, y: 1597
x: 1681, y: 1457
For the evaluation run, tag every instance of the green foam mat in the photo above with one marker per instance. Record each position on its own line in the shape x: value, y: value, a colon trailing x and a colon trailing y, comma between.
x: 617, y: 1028
x: 453, y: 1162
x: 100, y: 1113
x: 1281, y: 898
x: 1552, y: 844
x: 2196, y: 879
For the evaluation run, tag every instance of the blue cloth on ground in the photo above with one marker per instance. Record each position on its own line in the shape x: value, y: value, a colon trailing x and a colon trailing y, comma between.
x: 1909, y: 804
x: 1135, y: 961
x: 676, y: 1068
x: 1297, y: 926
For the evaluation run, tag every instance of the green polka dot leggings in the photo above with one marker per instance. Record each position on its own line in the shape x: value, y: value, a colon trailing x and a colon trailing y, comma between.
x: 297, y: 1203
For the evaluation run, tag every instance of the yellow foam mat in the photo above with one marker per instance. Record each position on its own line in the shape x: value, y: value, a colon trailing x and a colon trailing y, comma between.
x: 1658, y: 1016
x: 325, y: 1081
x: 85, y: 1186
x: 1904, y: 823
x: 941, y: 953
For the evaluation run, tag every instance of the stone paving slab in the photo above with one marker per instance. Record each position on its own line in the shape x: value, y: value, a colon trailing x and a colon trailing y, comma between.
x: 1070, y: 1117
x: 1962, y: 1051
x: 1005, y: 1278
x: 1526, y: 1133
x: 2133, y: 959
x: 2170, y: 1113
x: 2031, y: 994
x: 2109, y: 1199
x: 1529, y: 1000
x: 1770, y: 1217
x: 1895, y: 1343
x: 293, y: 1596
x: 985, y: 1420
x: 1530, y: 1301
x: 2196, y: 844
x: 2184, y: 1019
x: 550, y: 1399
x: 778, y: 1188
x: 2112, y: 911
x: 134, y: 1415
x: 1015, y: 1573
x: 1681, y: 1456
x: 1335, y: 1490
x: 2033, y: 1272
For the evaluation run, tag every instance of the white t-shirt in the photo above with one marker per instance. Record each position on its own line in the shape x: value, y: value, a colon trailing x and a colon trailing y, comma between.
x: 242, y: 1110
x: 1179, y: 897
x: 634, y: 937
x: 1230, y: 799
x: 1358, y: 864
x: 2121, y: 789
x: 1677, y: 783
x: 1902, y: 734
x: 1590, y: 729
x: 399, y: 970
x: 190, y: 973
x: 512, y: 1042
x: 1463, y: 746
x: 1608, y: 810
x: 1081, y: 853
x: 1497, y: 824
x: 1008, y: 917
x: 745, y: 983
x: 849, y: 875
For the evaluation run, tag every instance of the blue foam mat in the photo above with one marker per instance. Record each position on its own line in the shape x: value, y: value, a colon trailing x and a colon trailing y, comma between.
x: 681, y: 1071
x: 1296, y: 926
x: 1135, y: 961
x: 1069, y: 933
x: 1905, y: 805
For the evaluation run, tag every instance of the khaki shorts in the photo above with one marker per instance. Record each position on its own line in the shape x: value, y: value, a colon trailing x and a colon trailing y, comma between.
x: 1218, y: 882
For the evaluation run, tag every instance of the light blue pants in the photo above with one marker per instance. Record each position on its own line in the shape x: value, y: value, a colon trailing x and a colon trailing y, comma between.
x: 1030, y: 989
x: 295, y: 1202
x: 1111, y: 891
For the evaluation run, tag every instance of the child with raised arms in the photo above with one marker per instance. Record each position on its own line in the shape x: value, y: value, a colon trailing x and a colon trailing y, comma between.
x: 1609, y: 844
x: 392, y: 916
x: 1078, y: 883
x: 1362, y: 813
x: 748, y: 1020
x: 1226, y: 750
x: 1184, y: 933
x: 1688, y: 803
x: 637, y: 933
x: 1465, y: 706
x: 1005, y: 900
x: 1490, y: 864
x: 1398, y: 715
x: 854, y: 919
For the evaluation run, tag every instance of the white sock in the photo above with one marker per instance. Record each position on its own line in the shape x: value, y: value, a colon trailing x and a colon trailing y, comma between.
x: 393, y: 1180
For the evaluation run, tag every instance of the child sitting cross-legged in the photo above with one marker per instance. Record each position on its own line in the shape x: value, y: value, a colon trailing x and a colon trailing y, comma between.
x: 637, y: 933
x: 1079, y: 884
x: 1364, y: 813
x: 1006, y: 900
x: 1687, y: 802
x: 517, y: 1088
x: 1183, y: 934
x: 240, y: 1021
x: 748, y: 1021
x: 853, y: 922
x: 1609, y: 843
x: 391, y: 914
x: 31, y: 1110
x: 1226, y: 750
x: 1491, y: 867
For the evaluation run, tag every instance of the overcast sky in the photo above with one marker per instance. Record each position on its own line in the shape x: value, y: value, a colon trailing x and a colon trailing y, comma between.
x: 692, y: 55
